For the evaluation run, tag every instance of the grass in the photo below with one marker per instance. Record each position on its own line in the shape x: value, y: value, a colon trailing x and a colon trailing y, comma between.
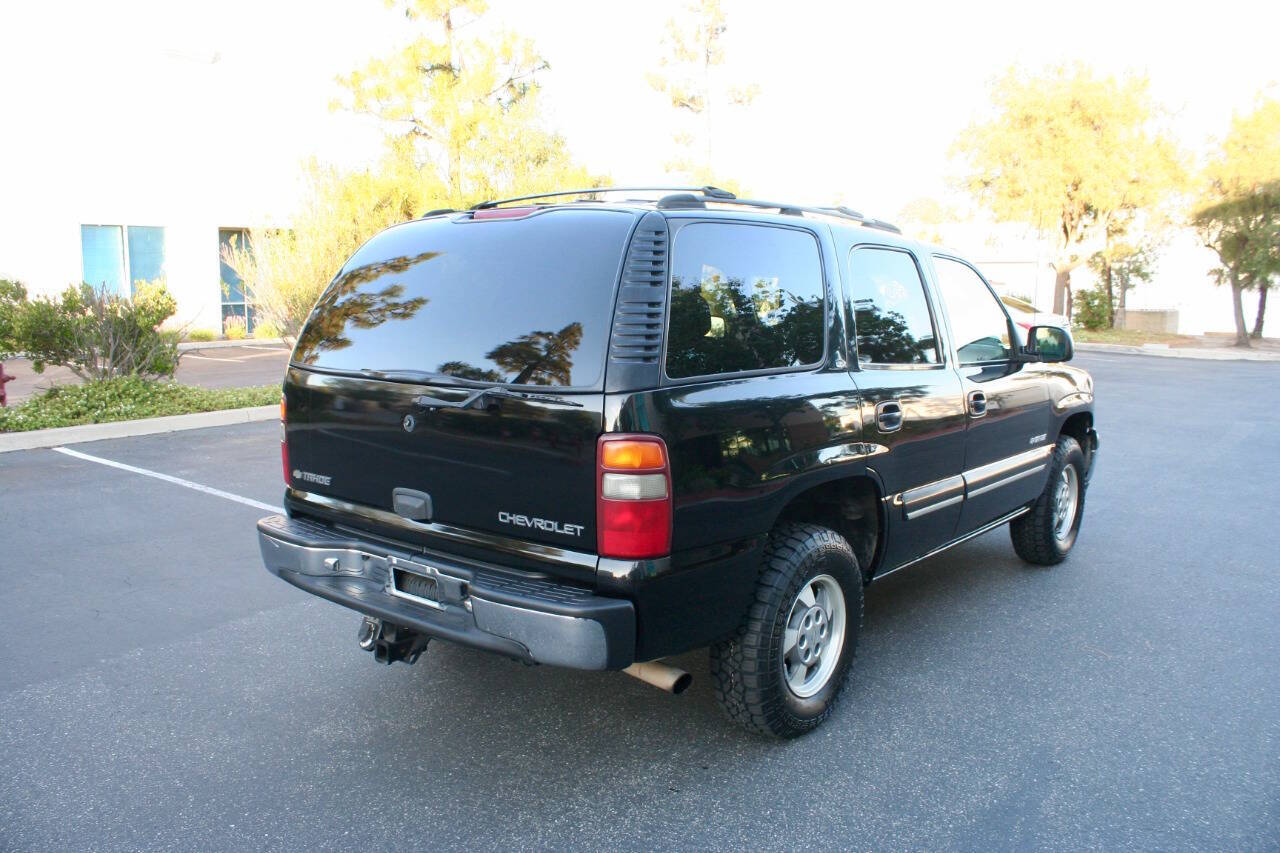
x: 1129, y: 337
x: 127, y: 399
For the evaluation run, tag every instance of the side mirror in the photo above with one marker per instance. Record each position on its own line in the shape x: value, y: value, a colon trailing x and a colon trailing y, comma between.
x: 1051, y: 343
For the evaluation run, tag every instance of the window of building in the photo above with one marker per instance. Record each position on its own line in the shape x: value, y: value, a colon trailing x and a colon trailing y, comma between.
x: 891, y: 313
x: 235, y: 304
x: 744, y: 297
x: 978, y: 321
x: 119, y: 257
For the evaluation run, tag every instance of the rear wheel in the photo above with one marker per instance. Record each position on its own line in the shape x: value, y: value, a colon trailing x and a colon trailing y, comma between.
x: 1044, y: 535
x: 785, y: 667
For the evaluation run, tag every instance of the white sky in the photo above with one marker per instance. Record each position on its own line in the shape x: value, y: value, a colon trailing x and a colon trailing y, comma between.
x: 859, y: 102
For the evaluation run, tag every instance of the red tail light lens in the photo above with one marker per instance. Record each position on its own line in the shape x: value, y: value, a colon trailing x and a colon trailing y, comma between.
x: 633, y: 497
x: 284, y: 446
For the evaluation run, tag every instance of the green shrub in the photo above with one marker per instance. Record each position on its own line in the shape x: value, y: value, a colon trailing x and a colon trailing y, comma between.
x: 98, y: 334
x: 202, y: 335
x: 234, y: 328
x: 266, y: 330
x: 13, y: 295
x: 1091, y: 309
x: 124, y: 399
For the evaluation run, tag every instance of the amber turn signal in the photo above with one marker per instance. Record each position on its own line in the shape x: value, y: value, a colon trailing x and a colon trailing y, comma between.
x: 632, y: 455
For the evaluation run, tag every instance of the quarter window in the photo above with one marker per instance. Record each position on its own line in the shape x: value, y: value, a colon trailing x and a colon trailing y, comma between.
x: 978, y: 321
x: 744, y: 297
x: 890, y: 311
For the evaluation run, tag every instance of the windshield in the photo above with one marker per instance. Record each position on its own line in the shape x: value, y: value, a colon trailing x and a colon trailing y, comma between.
x: 522, y: 301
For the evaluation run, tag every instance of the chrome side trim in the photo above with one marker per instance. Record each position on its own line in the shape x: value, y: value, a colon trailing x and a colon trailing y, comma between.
x: 916, y: 513
x: 925, y: 499
x: 973, y: 493
x: 531, y: 550
x: 1009, y: 464
x: 954, y: 542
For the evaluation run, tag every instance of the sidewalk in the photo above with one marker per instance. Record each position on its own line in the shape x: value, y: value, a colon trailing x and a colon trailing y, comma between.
x: 1257, y: 353
x: 209, y: 366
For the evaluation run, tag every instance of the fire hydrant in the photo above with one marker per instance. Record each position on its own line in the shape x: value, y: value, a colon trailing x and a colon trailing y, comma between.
x: 4, y: 379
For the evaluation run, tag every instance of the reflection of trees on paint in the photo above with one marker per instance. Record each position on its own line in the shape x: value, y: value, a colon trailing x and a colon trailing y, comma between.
x: 342, y: 306
x: 720, y: 326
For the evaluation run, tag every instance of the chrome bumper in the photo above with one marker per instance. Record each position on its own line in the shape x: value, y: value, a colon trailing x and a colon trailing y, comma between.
x: 506, y: 612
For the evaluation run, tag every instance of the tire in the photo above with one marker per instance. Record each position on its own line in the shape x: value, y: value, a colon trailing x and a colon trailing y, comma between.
x: 751, y: 669
x: 1044, y: 535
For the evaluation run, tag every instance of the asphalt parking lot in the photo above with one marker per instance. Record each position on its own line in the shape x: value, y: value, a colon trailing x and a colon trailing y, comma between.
x: 158, y: 689
x: 251, y: 363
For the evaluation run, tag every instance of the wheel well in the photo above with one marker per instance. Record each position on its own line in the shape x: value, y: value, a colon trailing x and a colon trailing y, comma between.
x: 1078, y: 426
x: 851, y: 507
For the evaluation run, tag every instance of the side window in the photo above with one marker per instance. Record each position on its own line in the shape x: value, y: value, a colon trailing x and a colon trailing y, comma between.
x: 744, y: 297
x: 978, y: 321
x: 890, y: 311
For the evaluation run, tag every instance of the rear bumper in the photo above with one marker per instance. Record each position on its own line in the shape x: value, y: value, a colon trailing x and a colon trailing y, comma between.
x: 483, y: 606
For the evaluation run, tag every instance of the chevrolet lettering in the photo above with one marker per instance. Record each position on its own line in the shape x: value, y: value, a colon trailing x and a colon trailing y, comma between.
x: 599, y: 429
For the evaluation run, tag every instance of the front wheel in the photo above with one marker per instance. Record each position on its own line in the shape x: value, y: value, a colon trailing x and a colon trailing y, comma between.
x: 1044, y: 535
x: 783, y: 670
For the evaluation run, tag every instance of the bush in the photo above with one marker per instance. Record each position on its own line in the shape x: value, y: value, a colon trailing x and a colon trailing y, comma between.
x: 124, y: 399
x: 1091, y: 309
x: 266, y: 330
x: 202, y: 335
x: 234, y: 328
x: 98, y: 334
x: 12, y: 297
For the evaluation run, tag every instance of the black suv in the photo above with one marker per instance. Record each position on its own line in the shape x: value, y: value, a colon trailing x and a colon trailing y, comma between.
x: 599, y: 433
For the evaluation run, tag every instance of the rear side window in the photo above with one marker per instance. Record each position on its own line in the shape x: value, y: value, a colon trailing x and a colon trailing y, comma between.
x: 744, y: 297
x: 520, y: 301
x: 891, y: 313
x: 978, y: 321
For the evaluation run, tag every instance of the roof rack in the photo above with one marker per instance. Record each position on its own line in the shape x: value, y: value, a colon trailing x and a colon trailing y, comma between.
x: 684, y: 201
x: 708, y: 191
x: 685, y: 198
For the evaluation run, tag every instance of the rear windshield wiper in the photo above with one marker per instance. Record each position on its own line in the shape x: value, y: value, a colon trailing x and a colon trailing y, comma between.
x: 477, y: 397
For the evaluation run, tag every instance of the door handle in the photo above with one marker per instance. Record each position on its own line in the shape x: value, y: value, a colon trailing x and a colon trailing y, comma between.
x: 977, y: 404
x: 889, y: 416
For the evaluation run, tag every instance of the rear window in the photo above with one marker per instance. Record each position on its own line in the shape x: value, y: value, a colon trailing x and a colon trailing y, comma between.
x: 744, y: 297
x: 521, y: 301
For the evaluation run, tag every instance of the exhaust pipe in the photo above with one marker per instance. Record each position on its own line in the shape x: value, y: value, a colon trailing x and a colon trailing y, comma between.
x: 660, y: 675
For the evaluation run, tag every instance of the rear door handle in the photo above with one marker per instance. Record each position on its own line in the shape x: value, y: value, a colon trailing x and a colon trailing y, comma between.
x: 889, y: 416
x: 977, y: 404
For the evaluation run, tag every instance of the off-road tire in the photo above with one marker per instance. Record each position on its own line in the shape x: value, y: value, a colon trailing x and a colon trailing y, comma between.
x: 747, y: 669
x: 1033, y: 533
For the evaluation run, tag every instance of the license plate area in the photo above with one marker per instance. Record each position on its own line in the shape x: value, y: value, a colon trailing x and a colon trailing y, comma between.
x: 417, y: 586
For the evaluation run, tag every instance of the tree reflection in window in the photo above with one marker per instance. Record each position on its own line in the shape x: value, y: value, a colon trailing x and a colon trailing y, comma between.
x: 343, y: 305
x: 720, y: 326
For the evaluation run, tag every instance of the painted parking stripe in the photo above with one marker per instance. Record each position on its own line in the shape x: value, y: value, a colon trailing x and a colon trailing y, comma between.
x: 177, y: 481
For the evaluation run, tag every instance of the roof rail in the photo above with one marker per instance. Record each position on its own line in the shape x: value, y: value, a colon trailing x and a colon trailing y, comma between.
x: 708, y: 191
x: 684, y: 200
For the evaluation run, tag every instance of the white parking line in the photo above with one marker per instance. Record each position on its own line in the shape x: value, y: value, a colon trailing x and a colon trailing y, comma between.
x: 177, y: 481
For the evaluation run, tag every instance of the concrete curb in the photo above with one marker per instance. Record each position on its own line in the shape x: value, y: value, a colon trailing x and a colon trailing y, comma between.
x: 189, y: 346
x: 1203, y: 354
x: 124, y: 429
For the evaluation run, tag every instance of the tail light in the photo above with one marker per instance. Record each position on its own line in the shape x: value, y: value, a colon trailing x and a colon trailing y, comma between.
x: 284, y: 447
x: 633, y: 497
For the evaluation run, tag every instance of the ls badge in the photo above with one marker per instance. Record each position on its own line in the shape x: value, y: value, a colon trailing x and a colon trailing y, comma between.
x: 408, y: 423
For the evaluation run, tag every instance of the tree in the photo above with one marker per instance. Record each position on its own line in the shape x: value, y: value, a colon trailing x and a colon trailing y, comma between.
x: 1238, y: 214
x: 692, y: 50
x: 1125, y: 259
x: 1066, y: 152
x: 461, y: 124
x: 465, y: 108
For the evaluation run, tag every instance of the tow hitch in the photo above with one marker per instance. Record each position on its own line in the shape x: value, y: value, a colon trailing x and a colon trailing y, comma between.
x: 390, y: 642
